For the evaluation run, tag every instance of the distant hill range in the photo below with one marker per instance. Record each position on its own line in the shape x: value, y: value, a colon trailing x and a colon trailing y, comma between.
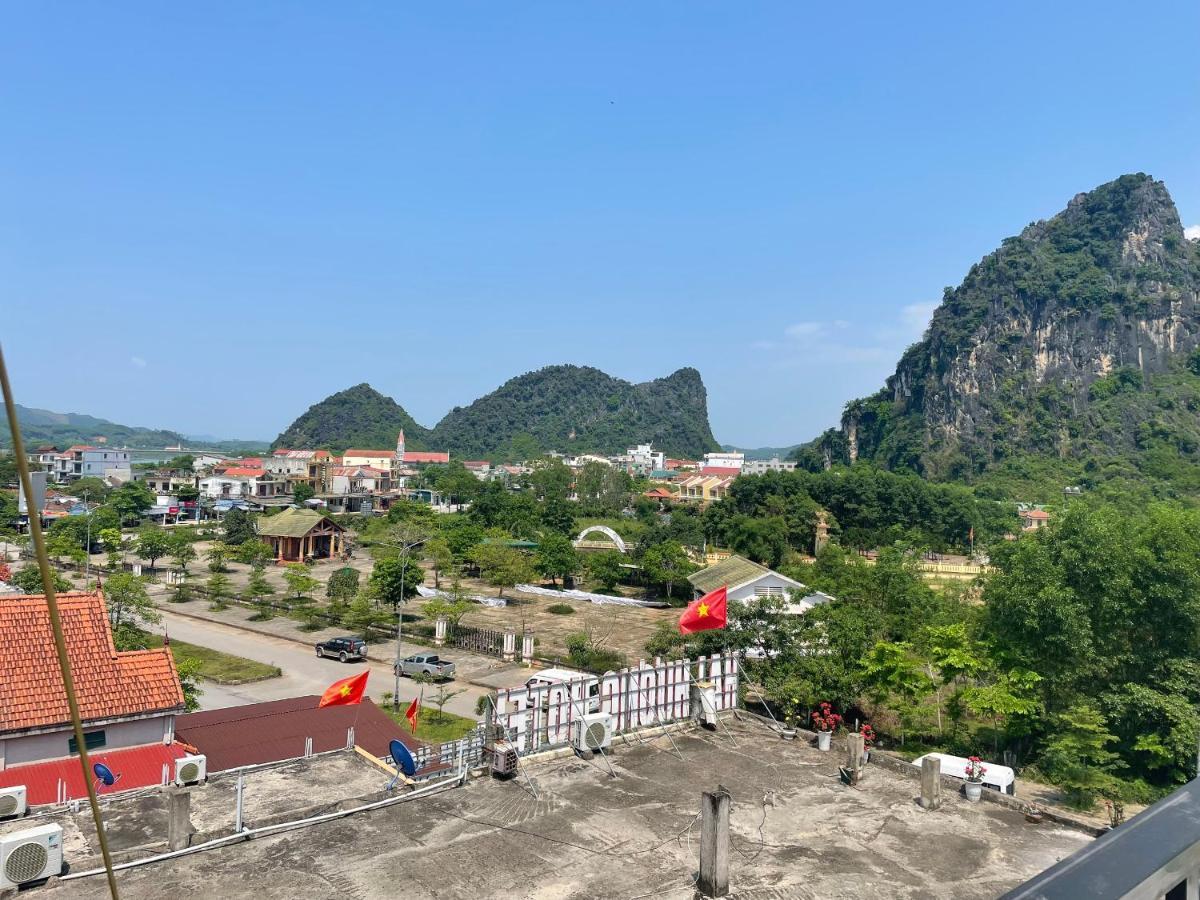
x: 1067, y: 356
x: 41, y: 426
x: 563, y: 408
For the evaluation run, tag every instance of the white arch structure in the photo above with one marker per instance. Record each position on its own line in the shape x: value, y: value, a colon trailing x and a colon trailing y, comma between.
x: 607, y: 532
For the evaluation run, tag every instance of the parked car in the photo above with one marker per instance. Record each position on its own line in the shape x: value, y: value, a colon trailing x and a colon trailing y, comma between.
x: 425, y: 664
x: 344, y: 648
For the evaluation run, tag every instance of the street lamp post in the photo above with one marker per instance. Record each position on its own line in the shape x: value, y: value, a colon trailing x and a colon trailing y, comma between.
x: 404, y: 551
x: 87, y: 560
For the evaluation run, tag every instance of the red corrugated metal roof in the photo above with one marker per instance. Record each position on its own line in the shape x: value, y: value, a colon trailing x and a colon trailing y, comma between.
x: 138, y: 767
x: 276, y: 730
x: 720, y: 470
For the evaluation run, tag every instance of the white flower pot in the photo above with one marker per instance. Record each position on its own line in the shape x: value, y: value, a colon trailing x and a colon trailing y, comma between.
x: 789, y: 734
x: 824, y: 740
x: 867, y: 755
x: 974, y: 790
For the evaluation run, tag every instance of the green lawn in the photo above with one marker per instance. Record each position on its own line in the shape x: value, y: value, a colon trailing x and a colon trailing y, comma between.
x: 223, y: 668
x: 434, y: 727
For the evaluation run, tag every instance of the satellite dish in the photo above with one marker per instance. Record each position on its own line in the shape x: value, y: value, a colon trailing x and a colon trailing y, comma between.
x: 105, y: 775
x: 402, y: 758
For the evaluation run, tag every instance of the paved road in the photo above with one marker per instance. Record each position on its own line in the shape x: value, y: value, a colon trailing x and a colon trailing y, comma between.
x: 303, y: 672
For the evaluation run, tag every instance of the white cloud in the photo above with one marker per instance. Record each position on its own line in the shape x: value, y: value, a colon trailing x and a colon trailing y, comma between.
x: 1192, y: 232
x: 137, y: 362
x: 804, y: 329
x: 916, y: 317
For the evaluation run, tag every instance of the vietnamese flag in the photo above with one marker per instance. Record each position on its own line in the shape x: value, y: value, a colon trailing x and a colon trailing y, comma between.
x: 706, y: 613
x: 347, y: 691
x: 414, y: 709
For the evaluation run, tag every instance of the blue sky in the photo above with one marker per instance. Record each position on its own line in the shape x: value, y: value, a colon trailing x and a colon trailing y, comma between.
x: 213, y: 215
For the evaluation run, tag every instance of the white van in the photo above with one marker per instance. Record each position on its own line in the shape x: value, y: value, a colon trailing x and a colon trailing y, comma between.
x: 548, y: 677
x: 995, y: 776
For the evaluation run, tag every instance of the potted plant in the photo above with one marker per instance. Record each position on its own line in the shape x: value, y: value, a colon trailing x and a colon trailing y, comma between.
x: 975, y: 773
x: 824, y: 721
x: 868, y: 736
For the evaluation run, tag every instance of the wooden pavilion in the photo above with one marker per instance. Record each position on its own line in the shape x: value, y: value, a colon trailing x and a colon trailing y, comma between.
x: 297, y: 534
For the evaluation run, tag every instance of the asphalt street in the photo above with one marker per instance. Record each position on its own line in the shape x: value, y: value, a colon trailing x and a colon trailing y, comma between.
x: 303, y: 672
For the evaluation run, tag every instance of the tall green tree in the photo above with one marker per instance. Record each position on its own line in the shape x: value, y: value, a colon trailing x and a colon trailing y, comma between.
x: 502, y: 566
x: 556, y: 557
x: 130, y: 609
x: 239, y: 527
x: 152, y: 543
x: 130, y: 501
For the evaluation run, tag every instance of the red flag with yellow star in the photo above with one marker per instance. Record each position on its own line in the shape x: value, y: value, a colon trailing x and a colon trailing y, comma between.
x: 706, y: 613
x: 347, y: 691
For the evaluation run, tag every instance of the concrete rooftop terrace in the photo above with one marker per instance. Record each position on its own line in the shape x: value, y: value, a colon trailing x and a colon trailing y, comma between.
x: 589, y: 835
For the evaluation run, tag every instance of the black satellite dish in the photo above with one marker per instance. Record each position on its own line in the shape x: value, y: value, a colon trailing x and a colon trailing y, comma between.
x: 104, y: 775
x: 402, y: 758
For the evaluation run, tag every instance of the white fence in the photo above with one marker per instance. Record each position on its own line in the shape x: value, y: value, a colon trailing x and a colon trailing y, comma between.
x: 536, y: 718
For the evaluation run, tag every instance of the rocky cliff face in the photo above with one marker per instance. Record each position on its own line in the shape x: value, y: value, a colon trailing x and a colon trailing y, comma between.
x: 1106, y: 291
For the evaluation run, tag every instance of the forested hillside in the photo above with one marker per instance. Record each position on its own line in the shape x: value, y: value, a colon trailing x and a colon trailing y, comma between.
x: 580, y: 409
x: 1066, y: 356
x: 41, y: 426
x: 356, y: 417
x: 565, y: 408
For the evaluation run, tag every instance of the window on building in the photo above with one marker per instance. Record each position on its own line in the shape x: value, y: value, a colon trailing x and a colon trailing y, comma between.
x: 1179, y: 892
x: 768, y: 591
x: 91, y: 740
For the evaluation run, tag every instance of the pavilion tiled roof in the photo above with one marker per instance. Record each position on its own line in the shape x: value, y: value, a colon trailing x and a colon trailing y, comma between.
x: 293, y: 523
x: 731, y: 572
x: 108, y: 684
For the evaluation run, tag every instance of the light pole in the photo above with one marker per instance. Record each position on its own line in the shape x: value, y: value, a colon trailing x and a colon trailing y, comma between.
x: 87, y: 560
x: 404, y: 551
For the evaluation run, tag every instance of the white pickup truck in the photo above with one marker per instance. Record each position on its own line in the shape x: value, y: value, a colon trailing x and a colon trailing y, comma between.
x: 425, y: 664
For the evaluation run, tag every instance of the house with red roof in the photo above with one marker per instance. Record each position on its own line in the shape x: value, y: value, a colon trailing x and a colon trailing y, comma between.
x: 128, y: 700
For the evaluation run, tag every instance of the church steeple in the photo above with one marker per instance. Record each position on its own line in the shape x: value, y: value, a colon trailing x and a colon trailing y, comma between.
x: 400, y: 447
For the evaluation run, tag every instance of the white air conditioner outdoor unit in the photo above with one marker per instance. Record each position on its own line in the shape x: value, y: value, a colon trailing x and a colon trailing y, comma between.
x: 191, y: 769
x: 30, y: 855
x: 12, y: 802
x: 592, y: 731
x: 704, y: 702
x: 504, y: 758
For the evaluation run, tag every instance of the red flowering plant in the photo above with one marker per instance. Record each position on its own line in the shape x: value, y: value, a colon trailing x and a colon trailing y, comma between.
x: 5, y: 572
x: 868, y: 735
x: 825, y: 719
x: 975, y: 768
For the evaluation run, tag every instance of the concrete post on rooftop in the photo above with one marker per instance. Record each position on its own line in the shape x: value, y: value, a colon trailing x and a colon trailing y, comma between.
x: 439, y: 631
x: 931, y: 783
x: 179, y: 823
x: 857, y: 746
x: 510, y: 645
x: 527, y: 647
x: 714, y: 843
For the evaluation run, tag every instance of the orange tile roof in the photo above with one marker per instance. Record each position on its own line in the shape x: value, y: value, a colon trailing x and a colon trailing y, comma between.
x: 417, y: 456
x: 108, y: 684
x: 243, y: 472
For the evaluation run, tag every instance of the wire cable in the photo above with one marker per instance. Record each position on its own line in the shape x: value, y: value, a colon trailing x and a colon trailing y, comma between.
x: 60, y: 641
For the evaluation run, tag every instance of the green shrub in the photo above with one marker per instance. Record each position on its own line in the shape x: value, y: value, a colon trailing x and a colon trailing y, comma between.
x: 561, y: 609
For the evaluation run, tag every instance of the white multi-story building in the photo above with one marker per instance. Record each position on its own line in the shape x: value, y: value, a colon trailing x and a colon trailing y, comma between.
x: 644, y: 458
x: 724, y: 460
x: 762, y: 466
x: 83, y: 461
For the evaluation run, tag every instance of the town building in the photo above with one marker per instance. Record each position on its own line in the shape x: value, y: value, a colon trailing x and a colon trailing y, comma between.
x: 418, y: 457
x: 724, y: 460
x: 704, y: 487
x: 644, y: 458
x: 127, y: 699
x: 42, y: 458
x: 746, y: 580
x: 297, y: 534
x: 85, y: 461
x: 359, y: 479
x: 1032, y: 519
x: 241, y: 483
x: 762, y: 466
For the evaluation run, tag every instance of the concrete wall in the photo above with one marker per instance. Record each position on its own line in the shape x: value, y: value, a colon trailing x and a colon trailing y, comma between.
x: 54, y: 745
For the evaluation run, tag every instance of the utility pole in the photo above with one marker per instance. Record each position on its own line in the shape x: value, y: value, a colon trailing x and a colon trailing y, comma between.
x: 405, y: 549
x: 87, y: 560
